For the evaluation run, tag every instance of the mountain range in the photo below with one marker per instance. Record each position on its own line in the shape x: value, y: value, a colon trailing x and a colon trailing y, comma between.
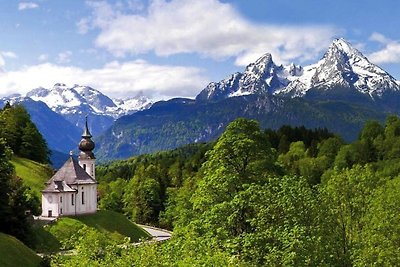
x: 341, y: 91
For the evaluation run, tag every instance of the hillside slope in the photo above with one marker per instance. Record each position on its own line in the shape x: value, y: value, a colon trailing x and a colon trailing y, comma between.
x: 14, y: 253
x: 33, y: 174
x: 115, y: 225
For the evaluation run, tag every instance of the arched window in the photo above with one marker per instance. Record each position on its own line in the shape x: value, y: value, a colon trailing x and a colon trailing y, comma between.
x: 84, y: 167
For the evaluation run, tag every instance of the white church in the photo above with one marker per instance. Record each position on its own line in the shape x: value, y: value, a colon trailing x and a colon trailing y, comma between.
x: 73, y: 188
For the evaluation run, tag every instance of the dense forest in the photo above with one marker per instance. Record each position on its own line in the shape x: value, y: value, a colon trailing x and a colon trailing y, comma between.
x: 18, y: 136
x: 292, y: 197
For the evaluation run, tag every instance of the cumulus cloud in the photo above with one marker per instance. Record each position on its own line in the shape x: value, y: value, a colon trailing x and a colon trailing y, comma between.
x: 208, y: 27
x: 114, y: 79
x: 390, y: 53
x: 27, y: 5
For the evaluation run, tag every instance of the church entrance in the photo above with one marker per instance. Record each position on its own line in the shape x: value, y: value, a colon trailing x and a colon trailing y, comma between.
x: 50, y: 213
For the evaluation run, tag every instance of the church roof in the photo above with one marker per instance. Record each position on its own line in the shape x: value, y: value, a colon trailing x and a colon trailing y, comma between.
x: 71, y: 173
x: 58, y: 186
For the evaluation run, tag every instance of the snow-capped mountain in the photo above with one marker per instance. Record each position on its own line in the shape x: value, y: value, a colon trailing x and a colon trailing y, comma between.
x: 342, y: 66
x: 75, y: 102
x: 262, y: 76
x: 84, y: 99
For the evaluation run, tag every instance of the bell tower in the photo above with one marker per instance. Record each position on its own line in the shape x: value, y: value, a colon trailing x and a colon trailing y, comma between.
x: 86, y: 158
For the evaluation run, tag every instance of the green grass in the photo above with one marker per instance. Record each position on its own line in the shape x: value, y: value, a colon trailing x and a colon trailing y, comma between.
x: 114, y: 223
x: 33, y: 174
x: 14, y: 253
x: 49, y: 238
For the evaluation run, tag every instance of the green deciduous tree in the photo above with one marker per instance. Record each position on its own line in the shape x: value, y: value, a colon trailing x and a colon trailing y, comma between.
x: 142, y: 196
x: 348, y: 194
x: 113, y: 196
x: 241, y: 156
x: 380, y: 236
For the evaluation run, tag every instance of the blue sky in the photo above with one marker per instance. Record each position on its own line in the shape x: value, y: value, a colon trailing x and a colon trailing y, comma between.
x: 169, y: 48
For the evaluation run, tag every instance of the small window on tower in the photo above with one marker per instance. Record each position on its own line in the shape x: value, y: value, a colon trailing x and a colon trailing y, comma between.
x: 60, y: 199
x: 83, y: 198
x: 72, y: 199
x: 84, y: 167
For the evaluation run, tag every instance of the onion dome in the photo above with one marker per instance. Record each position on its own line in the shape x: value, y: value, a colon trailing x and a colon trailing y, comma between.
x: 86, y: 145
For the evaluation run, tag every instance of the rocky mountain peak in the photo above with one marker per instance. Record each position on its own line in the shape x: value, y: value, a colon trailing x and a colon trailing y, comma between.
x: 342, y: 46
x: 262, y: 76
x: 345, y: 67
x: 264, y: 66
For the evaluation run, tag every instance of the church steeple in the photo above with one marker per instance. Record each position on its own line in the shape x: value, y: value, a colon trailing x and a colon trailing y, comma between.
x: 86, y: 157
x: 86, y: 145
x: 86, y: 132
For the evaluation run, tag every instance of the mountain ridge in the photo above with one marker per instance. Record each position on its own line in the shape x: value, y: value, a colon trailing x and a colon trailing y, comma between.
x: 342, y: 65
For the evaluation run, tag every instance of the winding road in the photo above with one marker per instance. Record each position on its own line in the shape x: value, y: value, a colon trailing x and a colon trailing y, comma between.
x: 157, y: 233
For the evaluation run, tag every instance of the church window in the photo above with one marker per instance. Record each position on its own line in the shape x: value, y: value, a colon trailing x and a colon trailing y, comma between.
x: 60, y: 210
x: 83, y: 198
x: 84, y: 167
x: 60, y: 199
x: 72, y: 199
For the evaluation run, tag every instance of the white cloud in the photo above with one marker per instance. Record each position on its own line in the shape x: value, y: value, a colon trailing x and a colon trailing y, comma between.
x: 43, y: 57
x: 64, y: 57
x: 378, y: 37
x: 83, y: 26
x: 27, y: 5
x: 114, y: 79
x: 2, y: 64
x: 5, y: 54
x: 390, y: 53
x: 208, y: 27
x: 9, y: 54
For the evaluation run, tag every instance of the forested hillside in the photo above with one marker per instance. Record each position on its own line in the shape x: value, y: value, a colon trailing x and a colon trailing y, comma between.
x: 21, y: 134
x: 291, y: 197
x: 19, y: 137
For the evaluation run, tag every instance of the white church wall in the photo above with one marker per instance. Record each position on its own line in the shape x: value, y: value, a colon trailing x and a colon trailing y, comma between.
x: 68, y: 203
x: 50, y: 205
x: 89, y: 205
